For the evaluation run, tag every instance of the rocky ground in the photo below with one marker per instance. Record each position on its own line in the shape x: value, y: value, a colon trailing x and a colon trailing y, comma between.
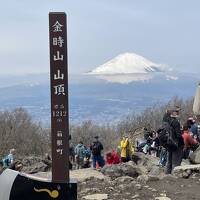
x: 140, y: 179
x: 125, y: 187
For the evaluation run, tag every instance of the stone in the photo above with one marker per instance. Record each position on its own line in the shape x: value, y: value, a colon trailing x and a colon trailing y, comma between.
x: 142, y: 179
x: 182, y: 186
x: 123, y: 169
x: 35, y: 168
x: 96, y: 197
x: 185, y: 175
x: 162, y: 198
x: 135, y: 196
x: 145, y: 160
x: 33, y: 164
x: 124, y: 179
x: 153, y: 178
x: 156, y: 171
x: 186, y: 170
x: 138, y: 186
x: 122, y: 187
x: 163, y: 194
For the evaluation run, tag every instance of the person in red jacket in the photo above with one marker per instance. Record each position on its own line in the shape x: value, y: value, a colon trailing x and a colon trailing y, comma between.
x: 189, y: 142
x: 112, y: 158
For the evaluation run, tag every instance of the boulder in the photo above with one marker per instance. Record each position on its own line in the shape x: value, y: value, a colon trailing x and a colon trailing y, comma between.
x: 145, y: 160
x: 39, y: 167
x: 142, y: 179
x: 156, y: 171
x: 124, y: 179
x: 146, y: 178
x: 186, y: 170
x: 34, y: 164
x: 195, y: 156
x: 123, y: 169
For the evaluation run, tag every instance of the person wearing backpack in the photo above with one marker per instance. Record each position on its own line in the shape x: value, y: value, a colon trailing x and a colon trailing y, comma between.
x: 96, y: 149
x: 79, y: 155
x: 175, y: 143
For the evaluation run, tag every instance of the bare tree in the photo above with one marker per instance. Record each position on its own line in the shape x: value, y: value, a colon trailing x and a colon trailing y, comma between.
x: 17, y: 130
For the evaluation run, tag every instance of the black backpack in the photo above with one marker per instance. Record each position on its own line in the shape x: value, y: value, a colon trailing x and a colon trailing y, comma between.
x: 96, y: 148
x: 167, y: 137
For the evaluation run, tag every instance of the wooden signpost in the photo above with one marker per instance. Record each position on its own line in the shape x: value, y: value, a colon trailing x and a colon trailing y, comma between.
x: 59, y: 97
x: 17, y: 186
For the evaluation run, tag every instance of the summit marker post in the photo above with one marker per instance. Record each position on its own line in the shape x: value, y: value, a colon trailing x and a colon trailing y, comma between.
x: 18, y: 186
x: 59, y: 97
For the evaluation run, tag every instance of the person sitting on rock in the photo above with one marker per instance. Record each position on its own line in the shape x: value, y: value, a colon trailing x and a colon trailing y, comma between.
x: 154, y: 148
x: 147, y: 146
x: 193, y: 128
x: 126, y: 149
x: 86, y: 161
x: 9, y: 159
x: 112, y: 158
x: 190, y: 144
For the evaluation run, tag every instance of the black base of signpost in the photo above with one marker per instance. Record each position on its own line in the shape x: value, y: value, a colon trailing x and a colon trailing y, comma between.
x: 26, y: 188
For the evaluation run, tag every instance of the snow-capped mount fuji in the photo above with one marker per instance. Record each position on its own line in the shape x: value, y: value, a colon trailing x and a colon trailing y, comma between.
x: 128, y: 63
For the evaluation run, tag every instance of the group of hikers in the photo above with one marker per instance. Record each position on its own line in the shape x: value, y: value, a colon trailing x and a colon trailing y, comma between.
x: 171, y: 143
x: 83, y: 157
x: 80, y: 155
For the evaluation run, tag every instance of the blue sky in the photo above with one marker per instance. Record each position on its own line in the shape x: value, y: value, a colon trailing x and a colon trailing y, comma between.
x: 165, y: 32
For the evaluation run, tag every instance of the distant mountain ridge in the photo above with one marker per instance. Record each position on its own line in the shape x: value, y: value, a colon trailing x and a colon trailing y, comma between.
x: 128, y: 63
x: 95, y: 99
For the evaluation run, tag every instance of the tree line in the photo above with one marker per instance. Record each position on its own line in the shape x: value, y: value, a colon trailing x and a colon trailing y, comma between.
x: 18, y: 130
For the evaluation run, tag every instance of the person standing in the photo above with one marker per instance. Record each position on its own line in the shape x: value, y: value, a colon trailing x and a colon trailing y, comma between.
x: 126, y: 149
x: 79, y: 155
x: 174, y: 156
x: 96, y: 149
x: 145, y: 133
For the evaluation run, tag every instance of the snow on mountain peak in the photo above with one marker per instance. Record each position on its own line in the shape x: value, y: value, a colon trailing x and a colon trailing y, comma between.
x: 128, y: 63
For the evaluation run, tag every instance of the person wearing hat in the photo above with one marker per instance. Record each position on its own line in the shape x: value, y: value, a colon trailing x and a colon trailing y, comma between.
x: 174, y: 156
x: 96, y: 149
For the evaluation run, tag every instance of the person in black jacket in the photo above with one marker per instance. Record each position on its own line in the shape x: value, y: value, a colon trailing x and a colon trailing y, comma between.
x: 174, y: 157
x: 96, y: 149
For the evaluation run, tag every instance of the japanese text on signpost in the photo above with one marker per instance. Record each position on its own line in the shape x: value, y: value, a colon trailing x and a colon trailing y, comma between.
x: 59, y: 97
